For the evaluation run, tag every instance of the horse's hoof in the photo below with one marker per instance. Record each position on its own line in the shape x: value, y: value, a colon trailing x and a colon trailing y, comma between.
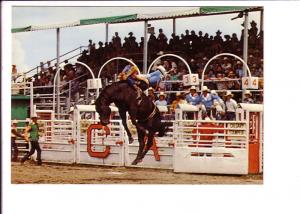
x: 131, y: 140
x: 136, y: 161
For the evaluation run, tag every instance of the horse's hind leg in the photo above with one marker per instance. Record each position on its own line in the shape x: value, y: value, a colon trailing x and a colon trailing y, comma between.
x: 139, y: 158
x: 124, y: 122
x: 149, y: 143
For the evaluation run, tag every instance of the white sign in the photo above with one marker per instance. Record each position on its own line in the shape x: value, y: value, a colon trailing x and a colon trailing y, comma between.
x: 94, y: 83
x: 250, y: 83
x: 190, y: 79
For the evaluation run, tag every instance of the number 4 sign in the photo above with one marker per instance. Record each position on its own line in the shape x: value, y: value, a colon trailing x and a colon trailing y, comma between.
x: 190, y: 79
x: 250, y: 83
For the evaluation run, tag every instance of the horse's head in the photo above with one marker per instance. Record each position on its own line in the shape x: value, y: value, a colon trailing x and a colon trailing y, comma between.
x: 104, y: 114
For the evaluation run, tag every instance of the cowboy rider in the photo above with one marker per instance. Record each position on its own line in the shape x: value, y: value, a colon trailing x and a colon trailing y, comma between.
x: 140, y: 83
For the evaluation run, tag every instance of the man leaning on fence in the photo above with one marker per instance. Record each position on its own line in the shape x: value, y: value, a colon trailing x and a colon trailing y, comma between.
x: 14, y: 135
x: 34, y: 138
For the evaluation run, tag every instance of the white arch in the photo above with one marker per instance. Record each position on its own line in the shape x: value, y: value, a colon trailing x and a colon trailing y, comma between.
x: 222, y: 54
x: 55, y: 77
x: 174, y: 55
x: 108, y: 61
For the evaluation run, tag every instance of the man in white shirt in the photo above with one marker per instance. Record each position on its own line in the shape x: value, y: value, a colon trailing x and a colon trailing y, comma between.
x: 230, y: 105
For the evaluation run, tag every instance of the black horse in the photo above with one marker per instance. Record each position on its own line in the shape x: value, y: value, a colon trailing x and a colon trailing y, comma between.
x: 145, y: 115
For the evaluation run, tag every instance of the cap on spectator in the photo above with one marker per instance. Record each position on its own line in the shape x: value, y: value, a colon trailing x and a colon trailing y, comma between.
x: 192, y: 60
x: 205, y: 88
x: 92, y: 102
x: 218, y: 32
x: 34, y: 115
x: 14, y: 122
x: 27, y: 120
x: 213, y: 92
x: 225, y: 58
x: 205, y: 58
x: 238, y: 63
x: 228, y: 93
x: 130, y: 33
x: 253, y: 22
x: 150, y: 89
x: 178, y: 94
x: 71, y: 109
x: 193, y: 88
x: 160, y: 53
x: 162, y: 94
x: 251, y: 56
x: 248, y: 92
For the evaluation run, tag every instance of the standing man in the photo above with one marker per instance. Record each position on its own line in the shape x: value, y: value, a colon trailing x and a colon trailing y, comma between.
x: 193, y: 98
x: 34, y: 137
x: 230, y: 105
x: 14, y: 135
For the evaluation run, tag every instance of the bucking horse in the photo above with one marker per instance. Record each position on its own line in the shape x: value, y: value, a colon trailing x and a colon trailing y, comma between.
x: 144, y: 114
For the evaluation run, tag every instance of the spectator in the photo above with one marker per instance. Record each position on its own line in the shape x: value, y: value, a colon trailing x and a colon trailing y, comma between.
x: 14, y: 73
x: 14, y: 135
x: 179, y: 100
x: 248, y: 97
x: 161, y: 100
x: 193, y: 97
x: 230, y: 105
x: 34, y: 137
x: 151, y: 94
x: 207, y: 99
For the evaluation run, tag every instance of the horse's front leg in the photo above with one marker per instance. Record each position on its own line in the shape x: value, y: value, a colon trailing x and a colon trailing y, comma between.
x: 139, y: 158
x: 124, y: 122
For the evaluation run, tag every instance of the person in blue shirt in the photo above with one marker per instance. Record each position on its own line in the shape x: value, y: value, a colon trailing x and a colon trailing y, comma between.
x: 161, y: 100
x: 193, y: 98
x: 207, y: 99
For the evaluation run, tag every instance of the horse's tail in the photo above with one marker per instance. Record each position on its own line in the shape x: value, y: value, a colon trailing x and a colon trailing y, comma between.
x: 164, y: 128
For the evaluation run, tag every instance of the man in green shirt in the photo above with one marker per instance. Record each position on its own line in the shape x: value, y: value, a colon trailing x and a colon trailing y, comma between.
x: 34, y: 138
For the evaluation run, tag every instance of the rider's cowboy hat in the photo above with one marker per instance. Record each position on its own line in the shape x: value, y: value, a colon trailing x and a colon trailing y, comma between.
x: 248, y: 92
x: 228, y: 93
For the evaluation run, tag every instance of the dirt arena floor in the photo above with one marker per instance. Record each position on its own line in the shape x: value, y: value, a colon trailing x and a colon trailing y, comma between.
x: 29, y: 173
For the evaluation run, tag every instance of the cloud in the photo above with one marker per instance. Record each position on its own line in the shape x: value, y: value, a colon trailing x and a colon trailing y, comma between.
x: 18, y: 55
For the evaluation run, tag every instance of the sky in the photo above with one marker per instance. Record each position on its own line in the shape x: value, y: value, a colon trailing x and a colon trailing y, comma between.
x: 31, y: 48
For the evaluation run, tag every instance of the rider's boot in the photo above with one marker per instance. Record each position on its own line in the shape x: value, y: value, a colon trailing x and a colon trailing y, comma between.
x: 139, y: 94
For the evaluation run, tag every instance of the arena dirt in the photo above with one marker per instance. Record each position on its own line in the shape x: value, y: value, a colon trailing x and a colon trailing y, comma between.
x: 29, y: 173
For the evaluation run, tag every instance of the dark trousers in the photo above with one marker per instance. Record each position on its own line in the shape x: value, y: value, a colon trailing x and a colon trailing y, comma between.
x: 230, y: 115
x: 14, y: 149
x: 34, y: 146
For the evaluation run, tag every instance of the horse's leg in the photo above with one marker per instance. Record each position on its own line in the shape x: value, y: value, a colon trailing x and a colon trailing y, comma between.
x: 124, y: 122
x: 141, y: 136
x: 149, y: 143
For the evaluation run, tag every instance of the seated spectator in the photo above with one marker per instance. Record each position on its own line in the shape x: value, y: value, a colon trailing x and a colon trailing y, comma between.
x: 193, y: 98
x: 179, y: 100
x: 161, y: 100
x: 248, y: 97
x: 151, y: 94
x: 231, y: 106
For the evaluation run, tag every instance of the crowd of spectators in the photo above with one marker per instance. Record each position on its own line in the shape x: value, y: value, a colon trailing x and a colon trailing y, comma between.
x: 196, y: 48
